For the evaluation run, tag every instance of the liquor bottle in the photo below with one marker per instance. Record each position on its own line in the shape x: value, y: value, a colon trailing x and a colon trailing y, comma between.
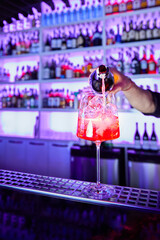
x: 131, y: 32
x: 136, y: 32
x: 16, y: 78
x: 129, y: 5
x: 108, y: 8
x: 74, y: 15
x: 14, y: 99
x: 118, y: 36
x: 122, y: 6
x: 120, y: 63
x: 74, y: 39
x: 97, y: 37
x: 36, y: 127
x: 87, y: 39
x: 57, y: 16
x: 100, y: 9
x: 87, y: 11
x: 136, y: 4
x: 143, y: 3
x: 47, y: 46
x: 145, y: 144
x: 80, y: 42
x: 54, y: 42
x: 46, y: 71
x: 155, y: 30
x: 93, y: 10
x: 152, y: 63
x: 28, y: 74
x: 137, y: 138
x: 63, y: 16
x: 22, y: 76
x: 69, y: 40
x: 59, y: 41
x: 9, y: 99
x: 115, y: 7
x: 45, y: 100
x: 158, y: 65
x: 81, y: 13
x: 63, y: 42
x: 142, y: 32
x: 32, y: 99
x: 148, y: 31
x: 151, y: 3
x: 124, y: 37
x: 153, y: 139
x: 143, y: 63
x: 19, y: 100
x: 135, y: 64
x: 58, y: 69
x: 52, y: 69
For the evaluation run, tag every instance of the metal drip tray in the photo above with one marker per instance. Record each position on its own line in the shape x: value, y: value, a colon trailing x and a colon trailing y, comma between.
x: 76, y: 190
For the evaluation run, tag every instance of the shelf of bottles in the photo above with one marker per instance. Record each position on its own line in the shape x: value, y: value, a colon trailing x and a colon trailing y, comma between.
x: 46, y: 57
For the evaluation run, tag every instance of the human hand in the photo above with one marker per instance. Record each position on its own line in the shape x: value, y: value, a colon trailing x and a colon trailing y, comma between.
x: 121, y: 82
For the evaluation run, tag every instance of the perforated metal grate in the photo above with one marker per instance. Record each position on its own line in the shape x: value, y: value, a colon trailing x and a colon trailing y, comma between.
x: 76, y: 190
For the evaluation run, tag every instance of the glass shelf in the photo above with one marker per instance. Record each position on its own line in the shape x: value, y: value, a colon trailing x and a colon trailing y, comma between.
x: 60, y: 80
x: 84, y: 49
x: 58, y: 110
x: 133, y: 44
x: 132, y: 13
x: 23, y: 30
x: 19, y: 56
x: 20, y: 109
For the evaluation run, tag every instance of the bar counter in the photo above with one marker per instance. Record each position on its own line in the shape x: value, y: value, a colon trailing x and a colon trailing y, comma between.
x: 68, y: 189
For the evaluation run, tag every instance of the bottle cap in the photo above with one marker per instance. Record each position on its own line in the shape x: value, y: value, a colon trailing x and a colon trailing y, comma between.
x: 95, y: 79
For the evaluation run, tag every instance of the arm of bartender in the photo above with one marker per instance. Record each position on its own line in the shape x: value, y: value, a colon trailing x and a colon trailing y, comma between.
x: 146, y: 101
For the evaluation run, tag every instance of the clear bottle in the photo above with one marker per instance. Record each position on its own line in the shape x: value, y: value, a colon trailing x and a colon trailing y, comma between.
x: 137, y: 138
x: 153, y: 139
x: 46, y: 71
x: 131, y: 32
x: 122, y: 6
x: 142, y: 32
x: 151, y: 3
x: 136, y: 4
x: 108, y: 8
x: 145, y: 144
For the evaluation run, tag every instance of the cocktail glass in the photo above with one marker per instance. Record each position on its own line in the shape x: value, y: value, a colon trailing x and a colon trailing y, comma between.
x: 98, y: 121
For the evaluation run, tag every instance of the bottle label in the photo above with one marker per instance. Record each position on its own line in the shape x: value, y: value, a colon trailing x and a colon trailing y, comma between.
x: 131, y: 35
x: 46, y: 73
x: 108, y: 9
x: 149, y: 34
x: 69, y: 43
x: 53, y: 43
x: 136, y: 35
x: 145, y: 144
x: 73, y: 43
x: 137, y: 144
x: 69, y: 73
x: 151, y: 3
x: 122, y: 7
x: 47, y: 48
x: 143, y: 64
x: 59, y: 43
x: 58, y: 72
x: 32, y: 102
x: 124, y: 36
x: 152, y: 66
x: 80, y: 41
x: 155, y: 33
x: 142, y: 35
x: 143, y: 4
x: 136, y: 4
x: 153, y: 145
x: 57, y: 102
x: 126, y: 67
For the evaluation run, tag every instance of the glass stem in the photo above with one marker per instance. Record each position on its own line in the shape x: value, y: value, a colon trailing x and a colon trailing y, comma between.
x: 98, y: 144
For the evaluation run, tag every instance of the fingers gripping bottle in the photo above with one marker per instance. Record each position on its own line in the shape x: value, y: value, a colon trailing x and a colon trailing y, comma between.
x: 95, y: 79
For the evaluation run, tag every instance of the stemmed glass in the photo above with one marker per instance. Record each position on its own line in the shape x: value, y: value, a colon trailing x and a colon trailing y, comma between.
x: 98, y: 121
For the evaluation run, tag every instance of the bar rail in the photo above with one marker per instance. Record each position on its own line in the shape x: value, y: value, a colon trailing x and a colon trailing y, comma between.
x: 68, y: 189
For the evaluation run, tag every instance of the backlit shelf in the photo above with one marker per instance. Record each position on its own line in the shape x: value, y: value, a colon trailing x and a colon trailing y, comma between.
x: 83, y: 49
x: 65, y: 80
x: 132, y: 13
x: 58, y: 110
x: 20, y: 109
x: 133, y: 44
x: 19, y: 56
x: 23, y: 30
